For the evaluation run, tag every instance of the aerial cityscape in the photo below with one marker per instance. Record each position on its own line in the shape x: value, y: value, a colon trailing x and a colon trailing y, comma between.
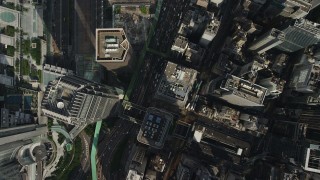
x: 160, y: 89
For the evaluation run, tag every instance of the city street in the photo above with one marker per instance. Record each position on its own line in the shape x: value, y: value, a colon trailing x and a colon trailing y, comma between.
x: 108, y: 146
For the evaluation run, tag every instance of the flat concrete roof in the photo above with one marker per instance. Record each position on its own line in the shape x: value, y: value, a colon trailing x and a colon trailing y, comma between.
x: 111, y: 45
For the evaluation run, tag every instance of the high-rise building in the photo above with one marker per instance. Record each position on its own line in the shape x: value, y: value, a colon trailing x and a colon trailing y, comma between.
x: 312, y: 159
x: 300, y: 34
x: 267, y: 41
x: 305, y: 78
x: 79, y: 102
x: 237, y: 91
x: 112, y: 48
x: 275, y: 85
x: 210, y: 32
x: 155, y: 127
x: 294, y: 9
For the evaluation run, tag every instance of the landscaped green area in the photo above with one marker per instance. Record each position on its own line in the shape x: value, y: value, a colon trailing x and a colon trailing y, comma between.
x: 67, y: 164
x: 9, y: 31
x: 117, y: 9
x: 40, y: 75
x: 10, y: 50
x: 17, y: 66
x: 116, y: 159
x: 144, y: 9
x: 25, y: 67
x: 25, y: 46
x: 36, y: 52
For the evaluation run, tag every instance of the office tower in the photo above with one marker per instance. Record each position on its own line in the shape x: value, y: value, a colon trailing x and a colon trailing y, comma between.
x: 209, y: 33
x: 300, y: 34
x: 274, y: 85
x: 305, y: 78
x: 312, y: 159
x: 51, y: 72
x: 237, y: 91
x: 79, y: 102
x: 267, y: 41
x: 113, y: 49
x: 294, y: 9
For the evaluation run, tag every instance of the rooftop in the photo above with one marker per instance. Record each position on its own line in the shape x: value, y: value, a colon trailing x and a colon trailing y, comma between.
x: 176, y: 83
x: 155, y: 127
x: 78, y: 101
x: 306, y: 75
x: 134, y: 19
x: 180, y: 44
x: 244, y: 89
x: 111, y: 45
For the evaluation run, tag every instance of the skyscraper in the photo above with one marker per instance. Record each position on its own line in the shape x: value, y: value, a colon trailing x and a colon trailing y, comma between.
x: 267, y: 41
x: 301, y: 34
x: 237, y: 91
x: 112, y: 48
x: 79, y: 102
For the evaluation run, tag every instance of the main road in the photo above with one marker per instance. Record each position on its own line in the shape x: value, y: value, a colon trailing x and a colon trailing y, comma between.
x: 109, y: 145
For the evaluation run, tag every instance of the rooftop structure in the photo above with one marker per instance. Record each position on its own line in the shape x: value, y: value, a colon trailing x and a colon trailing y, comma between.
x: 251, y: 69
x: 112, y: 46
x: 305, y: 78
x: 180, y: 44
x: 210, y: 32
x: 275, y: 85
x: 176, y: 83
x: 216, y: 2
x: 294, y: 9
x: 138, y: 164
x: 301, y: 34
x: 134, y: 19
x: 203, y: 3
x: 155, y: 127
x: 191, y: 22
x: 312, y: 162
x: 51, y: 72
x: 79, y: 102
x: 237, y: 91
x: 134, y: 175
x: 267, y: 41
x: 194, y: 52
x: 209, y: 137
